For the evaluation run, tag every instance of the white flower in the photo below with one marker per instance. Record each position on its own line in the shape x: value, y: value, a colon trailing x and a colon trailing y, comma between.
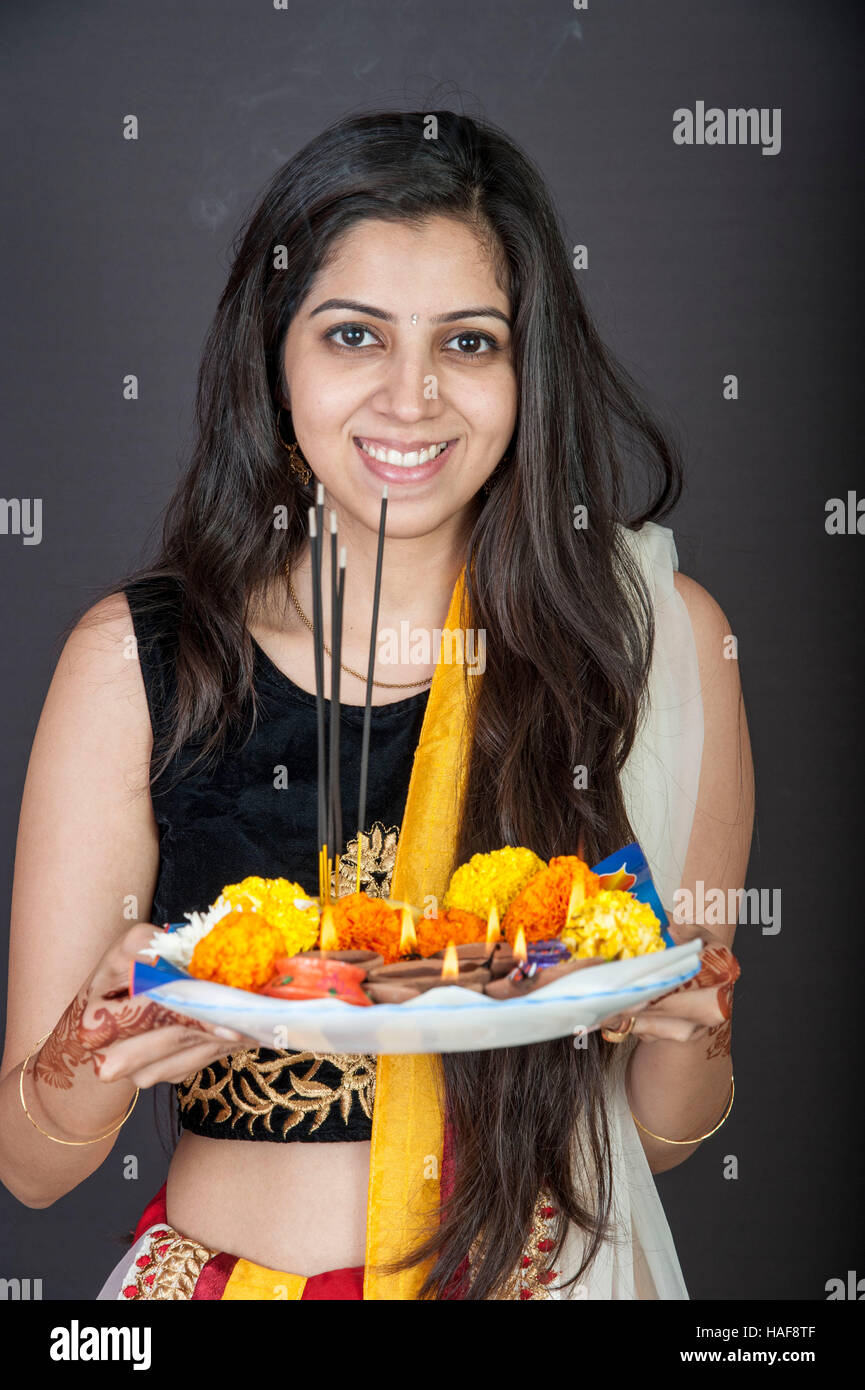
x: 177, y: 947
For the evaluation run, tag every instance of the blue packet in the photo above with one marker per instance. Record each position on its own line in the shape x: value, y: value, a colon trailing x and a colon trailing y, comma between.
x: 628, y: 870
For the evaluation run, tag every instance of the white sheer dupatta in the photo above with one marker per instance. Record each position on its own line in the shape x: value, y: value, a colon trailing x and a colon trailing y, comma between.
x: 659, y: 783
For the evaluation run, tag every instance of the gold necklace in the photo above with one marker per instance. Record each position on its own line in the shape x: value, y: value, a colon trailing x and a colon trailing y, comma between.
x: 388, y: 685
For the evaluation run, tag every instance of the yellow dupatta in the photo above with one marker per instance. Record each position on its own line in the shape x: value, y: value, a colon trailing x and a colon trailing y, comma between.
x: 408, y: 1119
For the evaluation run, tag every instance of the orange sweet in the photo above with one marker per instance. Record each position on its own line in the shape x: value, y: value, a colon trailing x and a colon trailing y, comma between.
x: 316, y: 977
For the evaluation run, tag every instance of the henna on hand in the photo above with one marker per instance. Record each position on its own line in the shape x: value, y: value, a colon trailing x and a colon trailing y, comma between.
x: 73, y: 1044
x: 721, y: 1037
x: 720, y: 968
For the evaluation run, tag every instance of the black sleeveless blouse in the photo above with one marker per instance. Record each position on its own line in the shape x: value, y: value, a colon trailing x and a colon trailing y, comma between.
x: 253, y: 811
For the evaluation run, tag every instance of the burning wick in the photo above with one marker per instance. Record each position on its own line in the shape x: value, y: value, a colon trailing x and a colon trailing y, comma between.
x: 451, y: 963
x: 329, y: 937
x: 494, y: 932
x: 407, y: 936
x: 520, y: 950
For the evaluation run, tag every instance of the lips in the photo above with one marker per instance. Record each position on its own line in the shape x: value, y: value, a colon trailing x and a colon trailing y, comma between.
x: 389, y: 464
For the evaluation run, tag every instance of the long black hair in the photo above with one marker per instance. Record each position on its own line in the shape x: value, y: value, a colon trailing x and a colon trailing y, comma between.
x: 567, y: 618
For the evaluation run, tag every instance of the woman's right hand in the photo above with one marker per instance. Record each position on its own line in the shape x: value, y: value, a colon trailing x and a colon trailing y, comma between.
x: 132, y: 1037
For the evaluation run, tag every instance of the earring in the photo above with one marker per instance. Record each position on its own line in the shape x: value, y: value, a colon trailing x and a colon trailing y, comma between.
x: 296, y: 462
x: 501, y: 465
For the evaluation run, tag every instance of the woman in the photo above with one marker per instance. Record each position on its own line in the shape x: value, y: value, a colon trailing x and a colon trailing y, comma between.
x: 401, y: 308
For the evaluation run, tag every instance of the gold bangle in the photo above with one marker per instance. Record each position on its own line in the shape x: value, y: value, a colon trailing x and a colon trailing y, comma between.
x: 74, y: 1143
x: 702, y: 1136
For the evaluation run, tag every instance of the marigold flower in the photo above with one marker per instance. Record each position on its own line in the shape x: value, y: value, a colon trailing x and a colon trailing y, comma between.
x: 615, y: 925
x: 434, y: 933
x: 363, y: 923
x: 241, y: 950
x: 274, y: 900
x: 496, y: 877
x: 541, y: 908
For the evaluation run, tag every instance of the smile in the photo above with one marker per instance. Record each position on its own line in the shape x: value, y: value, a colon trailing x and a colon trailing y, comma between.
x: 411, y: 457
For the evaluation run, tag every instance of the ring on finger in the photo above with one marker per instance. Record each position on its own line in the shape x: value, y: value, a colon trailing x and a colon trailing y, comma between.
x: 610, y: 1035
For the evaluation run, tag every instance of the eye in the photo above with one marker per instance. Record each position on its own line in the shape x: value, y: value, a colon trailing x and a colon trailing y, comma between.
x: 473, y: 344
x: 350, y: 336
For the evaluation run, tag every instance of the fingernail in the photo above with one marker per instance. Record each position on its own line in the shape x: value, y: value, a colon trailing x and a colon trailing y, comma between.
x: 227, y: 1033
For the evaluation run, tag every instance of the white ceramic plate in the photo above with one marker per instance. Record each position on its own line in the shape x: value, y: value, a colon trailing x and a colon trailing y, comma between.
x: 449, y: 1019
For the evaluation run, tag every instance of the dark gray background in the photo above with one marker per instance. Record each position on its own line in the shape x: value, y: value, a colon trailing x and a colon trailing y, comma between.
x: 703, y: 261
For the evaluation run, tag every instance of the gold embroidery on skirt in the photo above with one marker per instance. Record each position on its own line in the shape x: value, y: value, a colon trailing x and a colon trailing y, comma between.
x: 376, y: 865
x: 532, y: 1276
x: 169, y: 1268
x: 247, y: 1089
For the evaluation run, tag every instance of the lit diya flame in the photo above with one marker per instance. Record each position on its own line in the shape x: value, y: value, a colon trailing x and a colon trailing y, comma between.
x: 407, y: 936
x: 520, y: 951
x: 451, y: 963
x: 576, y: 900
x: 329, y: 936
x: 494, y: 931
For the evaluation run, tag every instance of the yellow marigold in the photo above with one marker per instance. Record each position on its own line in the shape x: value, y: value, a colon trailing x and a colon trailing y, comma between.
x: 496, y: 877
x: 367, y: 924
x: 541, y: 908
x: 241, y: 950
x: 615, y: 925
x: 273, y: 899
x: 434, y: 933
x: 251, y: 890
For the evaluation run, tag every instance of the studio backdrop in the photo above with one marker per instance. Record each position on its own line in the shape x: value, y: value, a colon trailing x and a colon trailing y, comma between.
x: 705, y: 161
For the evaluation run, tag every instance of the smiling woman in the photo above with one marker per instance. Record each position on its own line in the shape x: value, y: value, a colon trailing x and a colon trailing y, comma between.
x: 359, y: 389
x: 413, y: 394
x: 408, y: 303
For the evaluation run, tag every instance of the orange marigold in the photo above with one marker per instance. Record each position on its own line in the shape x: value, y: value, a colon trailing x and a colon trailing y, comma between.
x: 240, y: 950
x: 367, y: 924
x: 434, y: 933
x: 541, y: 907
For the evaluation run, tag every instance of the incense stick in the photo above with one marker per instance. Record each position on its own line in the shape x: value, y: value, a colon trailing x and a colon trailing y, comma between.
x: 315, y: 539
x: 367, y: 709
x: 336, y: 789
x: 333, y: 778
x: 319, y: 511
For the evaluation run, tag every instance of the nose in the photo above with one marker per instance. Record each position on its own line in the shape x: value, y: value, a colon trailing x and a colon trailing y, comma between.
x: 408, y: 387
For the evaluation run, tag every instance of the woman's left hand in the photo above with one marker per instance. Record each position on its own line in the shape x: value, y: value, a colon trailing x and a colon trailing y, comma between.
x: 696, y: 1008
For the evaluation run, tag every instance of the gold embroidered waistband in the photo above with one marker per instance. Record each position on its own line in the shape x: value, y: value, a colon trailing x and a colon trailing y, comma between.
x: 258, y: 1087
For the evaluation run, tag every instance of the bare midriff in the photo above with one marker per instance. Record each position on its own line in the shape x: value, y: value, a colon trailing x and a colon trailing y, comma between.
x: 295, y: 1207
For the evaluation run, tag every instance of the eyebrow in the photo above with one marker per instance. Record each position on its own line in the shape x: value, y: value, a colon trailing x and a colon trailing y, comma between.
x: 485, y: 311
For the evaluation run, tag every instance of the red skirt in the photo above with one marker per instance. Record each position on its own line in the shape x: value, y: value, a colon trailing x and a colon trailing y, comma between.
x: 165, y: 1264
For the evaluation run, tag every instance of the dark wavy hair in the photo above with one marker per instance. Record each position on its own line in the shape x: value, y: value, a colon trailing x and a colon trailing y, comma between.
x: 567, y: 617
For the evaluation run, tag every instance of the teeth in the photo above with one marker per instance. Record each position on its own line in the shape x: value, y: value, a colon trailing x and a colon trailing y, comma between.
x: 409, y: 460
